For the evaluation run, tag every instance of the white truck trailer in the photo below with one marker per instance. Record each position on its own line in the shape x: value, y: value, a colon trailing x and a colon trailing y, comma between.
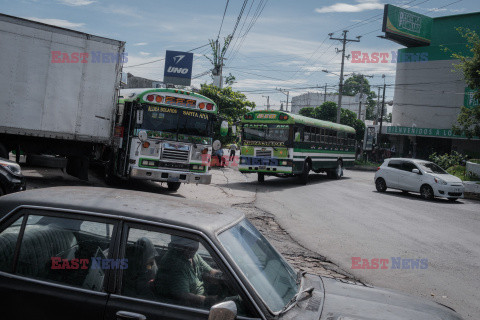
x: 58, y: 91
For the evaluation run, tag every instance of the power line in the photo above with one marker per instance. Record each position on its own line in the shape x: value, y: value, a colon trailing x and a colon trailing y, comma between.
x: 224, y: 12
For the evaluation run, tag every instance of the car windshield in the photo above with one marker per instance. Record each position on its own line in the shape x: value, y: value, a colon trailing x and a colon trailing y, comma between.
x: 184, y: 125
x: 431, y: 167
x: 270, y: 275
x: 264, y: 132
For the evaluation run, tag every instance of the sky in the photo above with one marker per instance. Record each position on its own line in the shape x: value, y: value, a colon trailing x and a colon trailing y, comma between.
x: 278, y: 44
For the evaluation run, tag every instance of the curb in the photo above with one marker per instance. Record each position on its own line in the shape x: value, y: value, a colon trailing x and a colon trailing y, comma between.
x: 472, y: 190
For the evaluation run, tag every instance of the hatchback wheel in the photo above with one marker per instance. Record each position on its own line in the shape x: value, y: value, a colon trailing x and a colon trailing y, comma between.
x: 173, y: 186
x: 381, y: 185
x: 426, y: 192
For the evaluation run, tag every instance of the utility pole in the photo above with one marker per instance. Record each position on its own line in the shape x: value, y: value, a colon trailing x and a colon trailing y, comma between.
x: 287, y: 94
x: 268, y: 101
x: 344, y: 41
x: 360, y: 97
x: 325, y: 95
x: 381, y: 115
x: 378, y: 106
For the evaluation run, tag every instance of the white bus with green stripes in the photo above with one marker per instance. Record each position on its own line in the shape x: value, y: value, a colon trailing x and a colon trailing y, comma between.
x: 282, y: 144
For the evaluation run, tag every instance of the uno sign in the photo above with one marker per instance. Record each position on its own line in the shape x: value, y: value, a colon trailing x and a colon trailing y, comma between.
x: 266, y: 116
x: 178, y: 68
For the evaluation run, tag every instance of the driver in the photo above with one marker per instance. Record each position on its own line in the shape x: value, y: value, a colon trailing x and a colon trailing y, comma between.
x: 181, y: 273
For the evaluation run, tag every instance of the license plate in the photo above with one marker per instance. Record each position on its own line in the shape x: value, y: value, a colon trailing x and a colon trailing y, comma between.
x: 262, y: 167
x: 458, y: 190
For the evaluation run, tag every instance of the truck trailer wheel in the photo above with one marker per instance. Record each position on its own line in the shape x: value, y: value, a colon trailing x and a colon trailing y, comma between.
x: 173, y: 186
x: 3, y: 151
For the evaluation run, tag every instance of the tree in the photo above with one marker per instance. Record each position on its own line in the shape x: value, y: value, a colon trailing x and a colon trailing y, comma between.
x: 469, y: 118
x: 358, y: 83
x: 328, y: 112
x: 308, y: 112
x: 232, y: 106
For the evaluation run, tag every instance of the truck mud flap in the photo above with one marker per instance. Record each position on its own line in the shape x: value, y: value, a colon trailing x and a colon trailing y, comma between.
x: 78, y: 167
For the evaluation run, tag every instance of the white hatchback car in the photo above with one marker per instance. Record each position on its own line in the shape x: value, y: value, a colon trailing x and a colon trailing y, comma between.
x: 413, y: 175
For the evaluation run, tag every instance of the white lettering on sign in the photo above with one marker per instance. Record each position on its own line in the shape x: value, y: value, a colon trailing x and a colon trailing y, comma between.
x: 177, y: 70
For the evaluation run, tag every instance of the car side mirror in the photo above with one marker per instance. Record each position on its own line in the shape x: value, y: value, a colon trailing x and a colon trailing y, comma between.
x: 416, y: 171
x: 223, y: 311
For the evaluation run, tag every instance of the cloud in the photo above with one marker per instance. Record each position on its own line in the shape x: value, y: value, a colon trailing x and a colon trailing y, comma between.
x: 76, y: 3
x: 362, y: 5
x: 144, y: 53
x: 58, y: 22
x: 140, y: 44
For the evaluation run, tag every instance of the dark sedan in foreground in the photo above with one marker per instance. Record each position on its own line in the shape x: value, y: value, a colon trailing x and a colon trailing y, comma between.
x: 95, y: 253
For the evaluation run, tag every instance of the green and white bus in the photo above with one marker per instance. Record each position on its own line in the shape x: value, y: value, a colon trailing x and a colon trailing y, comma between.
x: 282, y: 144
x: 163, y: 135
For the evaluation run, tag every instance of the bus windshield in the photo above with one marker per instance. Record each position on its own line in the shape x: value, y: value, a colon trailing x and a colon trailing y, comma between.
x: 178, y: 124
x: 266, y: 132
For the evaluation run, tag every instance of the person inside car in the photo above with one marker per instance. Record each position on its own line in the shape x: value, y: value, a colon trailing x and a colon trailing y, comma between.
x: 181, y: 274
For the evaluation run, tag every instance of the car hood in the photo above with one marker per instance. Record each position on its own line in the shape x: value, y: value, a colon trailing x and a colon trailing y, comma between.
x: 354, y: 301
x: 448, y: 178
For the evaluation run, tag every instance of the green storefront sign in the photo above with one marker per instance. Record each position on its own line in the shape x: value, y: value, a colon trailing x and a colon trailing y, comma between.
x: 469, y: 100
x: 407, y: 27
x: 428, y: 132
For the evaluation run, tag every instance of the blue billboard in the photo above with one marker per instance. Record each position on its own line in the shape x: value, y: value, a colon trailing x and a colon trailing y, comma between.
x: 178, y: 68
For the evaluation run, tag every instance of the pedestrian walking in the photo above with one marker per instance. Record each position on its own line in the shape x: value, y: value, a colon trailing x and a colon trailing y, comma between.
x: 233, y: 148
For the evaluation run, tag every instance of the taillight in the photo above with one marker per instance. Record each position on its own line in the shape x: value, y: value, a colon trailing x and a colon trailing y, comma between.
x: 201, y: 105
x: 146, y: 144
x: 159, y: 99
x: 150, y: 97
x: 378, y: 168
x: 209, y: 106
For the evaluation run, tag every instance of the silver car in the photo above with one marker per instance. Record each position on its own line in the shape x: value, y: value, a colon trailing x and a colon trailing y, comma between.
x: 420, y: 176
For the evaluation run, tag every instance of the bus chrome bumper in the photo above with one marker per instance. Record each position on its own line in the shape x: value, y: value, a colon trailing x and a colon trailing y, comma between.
x: 264, y: 169
x: 170, y: 176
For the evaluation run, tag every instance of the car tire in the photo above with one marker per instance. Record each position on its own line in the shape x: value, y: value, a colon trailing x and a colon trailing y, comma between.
x: 381, y: 185
x: 426, y: 192
x: 173, y: 186
x: 2, y: 193
x: 261, y: 177
x: 305, y: 172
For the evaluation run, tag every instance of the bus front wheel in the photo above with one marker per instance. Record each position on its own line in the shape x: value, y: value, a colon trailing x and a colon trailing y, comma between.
x: 261, y: 177
x: 173, y: 186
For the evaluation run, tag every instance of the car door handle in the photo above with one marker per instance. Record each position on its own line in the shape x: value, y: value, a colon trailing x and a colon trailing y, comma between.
x: 126, y: 315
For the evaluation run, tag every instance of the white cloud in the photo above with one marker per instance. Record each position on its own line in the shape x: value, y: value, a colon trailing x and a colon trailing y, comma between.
x: 58, y: 22
x: 144, y: 53
x: 76, y: 3
x: 140, y: 44
x: 362, y: 5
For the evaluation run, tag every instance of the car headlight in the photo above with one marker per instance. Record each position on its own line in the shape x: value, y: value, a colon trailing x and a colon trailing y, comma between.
x: 11, y: 167
x: 440, y: 181
x: 199, y: 153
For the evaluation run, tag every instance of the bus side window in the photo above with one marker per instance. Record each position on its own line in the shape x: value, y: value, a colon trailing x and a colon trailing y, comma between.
x: 307, y: 134
x: 317, y: 134
x: 298, y: 134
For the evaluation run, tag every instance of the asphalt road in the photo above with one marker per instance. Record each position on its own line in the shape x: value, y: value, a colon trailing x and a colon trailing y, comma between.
x: 347, y: 218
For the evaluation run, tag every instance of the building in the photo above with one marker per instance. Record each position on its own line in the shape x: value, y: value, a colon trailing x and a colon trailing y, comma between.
x: 315, y: 99
x: 428, y: 92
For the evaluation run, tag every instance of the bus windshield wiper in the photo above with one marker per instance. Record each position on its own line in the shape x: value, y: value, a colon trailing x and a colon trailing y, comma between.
x: 295, y: 299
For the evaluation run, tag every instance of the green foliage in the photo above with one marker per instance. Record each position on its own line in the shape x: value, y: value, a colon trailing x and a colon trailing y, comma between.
x: 328, y: 112
x: 308, y: 112
x: 363, y: 162
x: 461, y: 173
x: 447, y: 160
x: 230, y: 79
x: 469, y: 119
x: 232, y: 106
x: 358, y: 83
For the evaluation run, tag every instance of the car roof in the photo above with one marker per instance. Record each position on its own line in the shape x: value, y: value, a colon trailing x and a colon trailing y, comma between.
x: 408, y: 159
x: 168, y: 209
